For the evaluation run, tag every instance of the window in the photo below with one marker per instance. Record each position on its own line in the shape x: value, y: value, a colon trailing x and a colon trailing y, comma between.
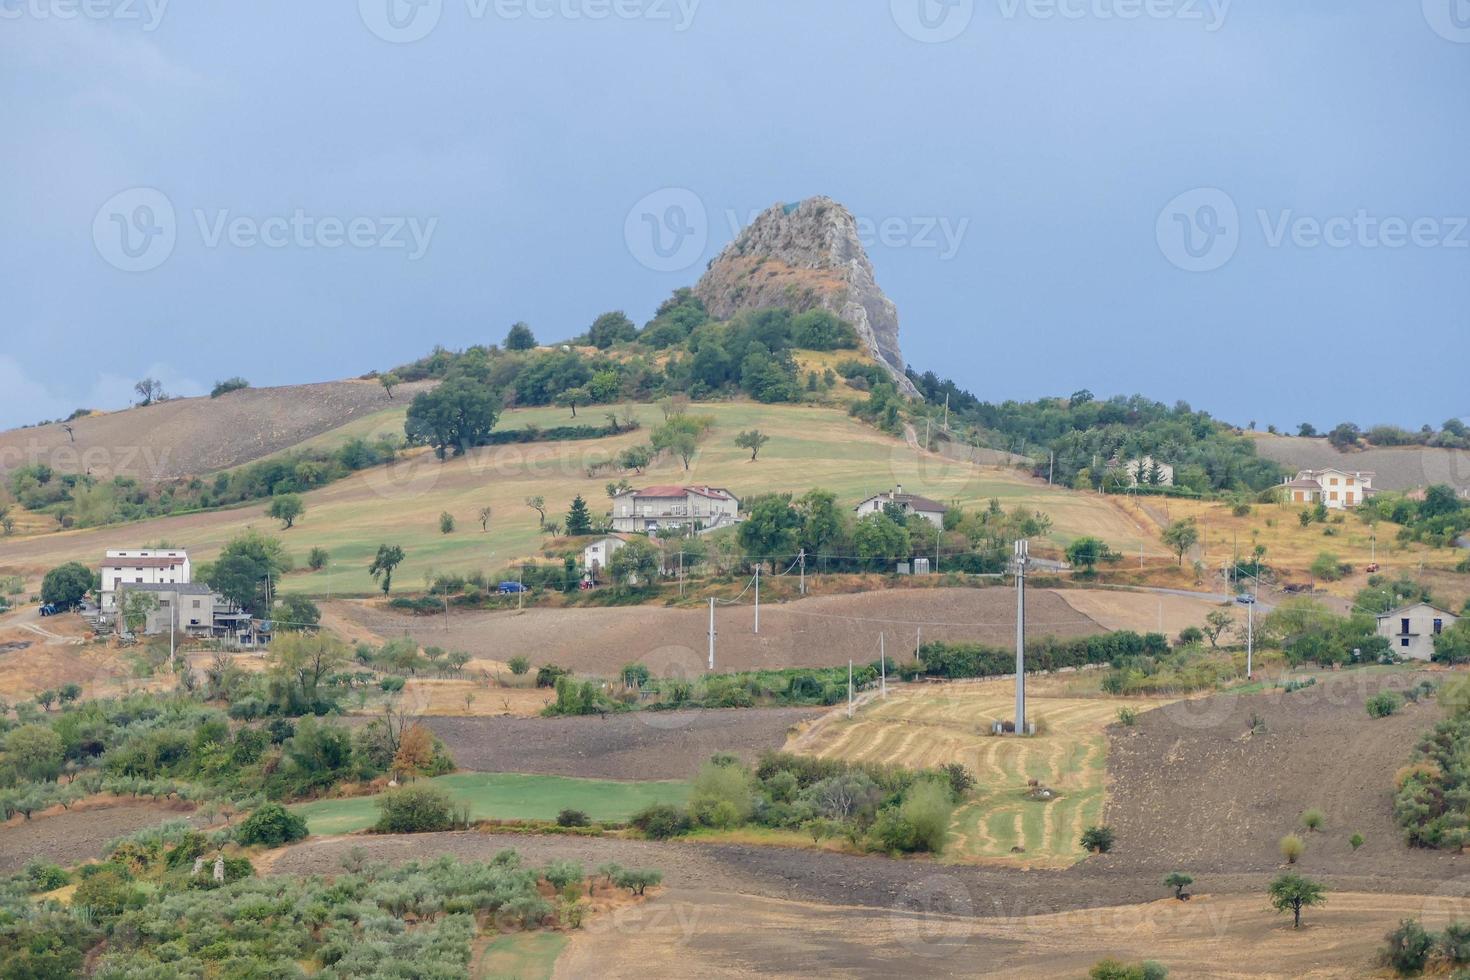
x: 1351, y: 482
x: 196, y: 603
x: 1438, y: 626
x: 1404, y: 642
x: 1404, y: 625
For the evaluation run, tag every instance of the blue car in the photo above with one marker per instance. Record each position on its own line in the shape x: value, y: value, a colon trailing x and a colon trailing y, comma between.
x: 511, y: 588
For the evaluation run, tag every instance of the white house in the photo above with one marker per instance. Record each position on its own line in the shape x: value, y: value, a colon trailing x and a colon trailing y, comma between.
x: 1335, y: 489
x: 910, y: 503
x: 655, y: 508
x: 597, y: 554
x: 142, y: 566
x: 1412, y: 629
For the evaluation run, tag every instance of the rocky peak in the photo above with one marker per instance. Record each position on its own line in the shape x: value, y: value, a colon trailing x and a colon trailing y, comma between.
x: 807, y: 256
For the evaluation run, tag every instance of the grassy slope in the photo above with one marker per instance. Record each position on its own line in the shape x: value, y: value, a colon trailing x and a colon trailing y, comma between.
x: 810, y: 447
x: 508, y: 796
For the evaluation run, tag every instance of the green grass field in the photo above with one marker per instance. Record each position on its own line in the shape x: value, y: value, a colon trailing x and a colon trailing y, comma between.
x: 521, y: 956
x: 508, y: 796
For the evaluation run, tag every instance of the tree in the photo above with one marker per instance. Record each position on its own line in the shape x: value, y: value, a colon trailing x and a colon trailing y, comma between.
x: 635, y: 562
x: 484, y: 517
x: 680, y: 436
x: 228, y: 385
x: 1407, y: 948
x: 770, y: 529
x: 149, y: 390
x: 1217, y: 623
x: 446, y: 523
x: 454, y: 417
x: 753, y: 440
x: 611, y: 328
x: 296, y: 613
x: 1178, y: 881
x: 520, y: 338
x: 389, y: 381
x: 317, y: 558
x: 272, y: 825
x: 1453, y: 645
x: 1292, y: 892
x: 415, y: 755
x: 67, y: 585
x: 579, y: 520
x: 572, y: 397
x: 1180, y: 536
x: 538, y: 504
x: 135, y: 606
x: 423, y: 808
x: 635, y: 458
x: 304, y: 660
x: 1327, y: 567
x: 1098, y: 840
x: 286, y: 507
x: 1086, y: 552
x: 878, y: 538
x: 389, y: 557
x: 245, y: 568
x: 35, y: 752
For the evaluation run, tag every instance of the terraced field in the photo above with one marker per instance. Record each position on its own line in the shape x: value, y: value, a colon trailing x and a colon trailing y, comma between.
x: 923, y: 726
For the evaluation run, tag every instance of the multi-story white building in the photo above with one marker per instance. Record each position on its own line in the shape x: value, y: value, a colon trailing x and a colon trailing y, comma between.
x: 141, y: 566
x: 1333, y: 488
x: 657, y: 508
x: 910, y: 503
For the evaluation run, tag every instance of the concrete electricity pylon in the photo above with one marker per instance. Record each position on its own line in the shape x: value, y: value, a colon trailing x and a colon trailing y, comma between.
x: 1023, y: 553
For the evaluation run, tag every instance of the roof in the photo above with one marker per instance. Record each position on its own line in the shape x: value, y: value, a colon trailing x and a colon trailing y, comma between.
x: 713, y: 493
x: 914, y: 501
x: 143, y: 562
x: 182, y: 588
x: 1300, y: 484
x: 1415, y: 605
x: 625, y: 538
x: 1334, y: 469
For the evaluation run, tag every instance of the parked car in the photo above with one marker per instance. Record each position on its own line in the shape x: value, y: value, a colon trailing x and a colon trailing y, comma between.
x: 1373, y: 568
x: 1246, y: 599
x: 49, y: 609
x: 511, y: 588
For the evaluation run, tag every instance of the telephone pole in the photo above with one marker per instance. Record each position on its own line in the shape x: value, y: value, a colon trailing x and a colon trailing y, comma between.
x: 801, y: 557
x: 1023, y: 552
x: 849, y: 689
x: 757, y: 598
x: 883, y: 664
x: 712, y: 634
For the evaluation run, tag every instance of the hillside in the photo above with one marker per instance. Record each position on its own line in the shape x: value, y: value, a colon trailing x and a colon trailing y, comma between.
x: 1398, y: 467
x: 401, y: 504
x: 194, y: 436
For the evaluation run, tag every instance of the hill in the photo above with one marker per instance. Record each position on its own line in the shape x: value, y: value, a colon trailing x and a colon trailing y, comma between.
x: 1397, y: 467
x: 401, y: 504
x: 194, y: 436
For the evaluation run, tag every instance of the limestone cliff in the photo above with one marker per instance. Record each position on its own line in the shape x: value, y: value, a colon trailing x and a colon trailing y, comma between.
x: 801, y: 257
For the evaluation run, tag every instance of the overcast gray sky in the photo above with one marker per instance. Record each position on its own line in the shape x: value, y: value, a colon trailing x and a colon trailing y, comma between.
x: 1255, y: 206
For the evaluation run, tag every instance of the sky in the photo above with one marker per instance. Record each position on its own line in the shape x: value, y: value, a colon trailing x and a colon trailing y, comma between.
x: 1257, y: 207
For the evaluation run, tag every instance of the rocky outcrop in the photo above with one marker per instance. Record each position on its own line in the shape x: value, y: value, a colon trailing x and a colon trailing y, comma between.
x: 807, y: 256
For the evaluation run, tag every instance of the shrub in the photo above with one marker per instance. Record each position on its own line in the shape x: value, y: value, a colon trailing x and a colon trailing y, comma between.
x: 563, y: 874
x: 271, y: 825
x: 660, y: 821
x: 1111, y: 969
x: 1127, y: 717
x: 1383, y: 704
x: 519, y: 666
x: 1356, y: 841
x: 722, y: 795
x: 1454, y: 942
x: 42, y: 877
x: 573, y: 818
x: 1407, y: 948
x: 1312, y: 819
x: 414, y: 809
x: 547, y: 675
x: 1098, y: 840
x: 1292, y: 847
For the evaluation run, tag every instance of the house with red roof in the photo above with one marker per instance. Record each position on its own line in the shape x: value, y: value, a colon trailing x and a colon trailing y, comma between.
x: 653, y: 509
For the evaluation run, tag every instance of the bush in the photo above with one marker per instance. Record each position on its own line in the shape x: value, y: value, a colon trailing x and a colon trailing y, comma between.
x: 1178, y: 881
x: 1292, y: 847
x: 660, y: 821
x: 573, y: 818
x: 271, y: 825
x: 1356, y: 841
x: 547, y: 674
x: 1098, y: 840
x: 637, y: 880
x: 520, y: 665
x: 919, y: 823
x: 1111, y: 969
x: 1313, y: 819
x: 1407, y: 948
x: 1383, y: 704
x: 1127, y: 717
x: 416, y: 809
x: 1454, y: 942
x: 42, y: 877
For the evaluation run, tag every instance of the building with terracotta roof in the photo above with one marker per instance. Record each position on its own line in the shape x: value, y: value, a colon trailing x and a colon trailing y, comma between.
x: 1335, y: 489
x: 142, y: 566
x: 910, y: 503
x: 666, y: 507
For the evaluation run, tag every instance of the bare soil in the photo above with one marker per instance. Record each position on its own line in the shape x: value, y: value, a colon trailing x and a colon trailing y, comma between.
x: 68, y: 837
x: 820, y: 631
x: 192, y: 436
x: 646, y: 745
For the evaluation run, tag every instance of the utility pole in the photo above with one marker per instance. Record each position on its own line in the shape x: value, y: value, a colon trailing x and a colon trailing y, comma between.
x: 1051, y: 470
x: 918, y: 642
x: 681, y: 573
x: 927, y: 424
x: 801, y: 557
x: 883, y: 664
x: 757, y: 598
x: 946, y: 411
x: 849, y: 688
x: 1023, y: 552
x: 173, y: 617
x: 520, y: 588
x: 1250, y: 631
x: 712, y: 634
